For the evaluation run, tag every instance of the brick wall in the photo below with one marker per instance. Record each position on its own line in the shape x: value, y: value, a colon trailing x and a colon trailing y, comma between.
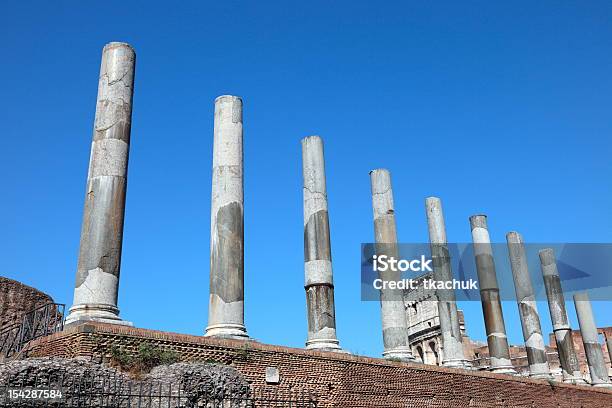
x: 338, y: 380
x: 17, y: 299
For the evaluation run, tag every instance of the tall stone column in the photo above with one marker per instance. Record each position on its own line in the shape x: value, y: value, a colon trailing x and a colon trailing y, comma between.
x: 453, y: 355
x: 226, y: 303
x: 497, y: 340
x: 395, y: 326
x: 558, y: 315
x: 97, y: 278
x: 590, y: 339
x: 528, y: 310
x: 319, y: 282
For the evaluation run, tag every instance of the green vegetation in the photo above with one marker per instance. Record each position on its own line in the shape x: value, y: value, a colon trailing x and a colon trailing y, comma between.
x: 243, y: 353
x: 145, y: 359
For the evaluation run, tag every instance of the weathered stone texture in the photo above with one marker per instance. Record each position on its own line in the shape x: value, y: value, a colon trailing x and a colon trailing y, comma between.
x: 26, y: 370
x: 318, y: 275
x: 489, y: 295
x: 556, y: 305
x: 199, y: 382
x: 226, y: 301
x: 579, y: 348
x: 16, y: 299
x: 528, y: 311
x: 592, y: 348
x: 394, y: 324
x: 97, y: 278
x: 336, y: 379
x: 447, y: 306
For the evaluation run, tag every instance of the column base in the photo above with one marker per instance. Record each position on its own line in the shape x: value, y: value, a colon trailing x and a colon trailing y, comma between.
x: 400, y: 354
x: 575, y: 381
x: 325, y: 345
x: 462, y: 364
x: 94, y: 312
x: 503, y: 370
x: 542, y: 376
x: 227, y: 330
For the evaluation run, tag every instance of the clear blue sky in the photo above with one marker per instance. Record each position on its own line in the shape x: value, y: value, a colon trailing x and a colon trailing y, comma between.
x: 503, y: 109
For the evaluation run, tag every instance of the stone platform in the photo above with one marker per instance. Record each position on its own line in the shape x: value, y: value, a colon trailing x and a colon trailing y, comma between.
x: 337, y: 379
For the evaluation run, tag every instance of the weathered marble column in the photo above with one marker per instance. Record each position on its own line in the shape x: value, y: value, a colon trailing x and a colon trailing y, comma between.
x: 319, y: 282
x: 528, y: 309
x: 97, y: 278
x: 558, y: 315
x: 226, y: 303
x: 497, y: 340
x: 453, y: 355
x: 395, y: 326
x: 590, y: 339
x: 609, y: 347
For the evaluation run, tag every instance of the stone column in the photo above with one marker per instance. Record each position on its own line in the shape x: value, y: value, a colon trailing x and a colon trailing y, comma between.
x: 558, y: 315
x: 447, y: 306
x: 528, y: 310
x: 592, y: 348
x: 97, y: 278
x: 497, y: 340
x: 395, y: 326
x: 226, y: 303
x: 609, y: 347
x: 319, y: 283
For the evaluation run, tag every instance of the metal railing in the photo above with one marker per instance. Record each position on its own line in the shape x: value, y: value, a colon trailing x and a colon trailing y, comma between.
x: 117, y: 391
x: 42, y: 321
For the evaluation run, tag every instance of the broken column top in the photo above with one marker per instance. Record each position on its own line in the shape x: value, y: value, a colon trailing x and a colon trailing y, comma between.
x: 304, y: 139
x: 478, y: 221
x: 382, y: 195
x: 547, y: 257
x: 231, y: 97
x: 514, y: 237
x: 117, y: 44
x: 435, y: 220
x: 381, y: 181
x: 381, y: 170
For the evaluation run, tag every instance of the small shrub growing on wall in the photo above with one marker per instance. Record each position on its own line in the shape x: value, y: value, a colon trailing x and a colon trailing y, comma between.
x: 145, y: 359
x: 243, y: 353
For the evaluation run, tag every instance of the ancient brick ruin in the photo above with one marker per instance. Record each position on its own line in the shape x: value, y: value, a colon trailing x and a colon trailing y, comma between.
x: 16, y: 299
x: 336, y: 379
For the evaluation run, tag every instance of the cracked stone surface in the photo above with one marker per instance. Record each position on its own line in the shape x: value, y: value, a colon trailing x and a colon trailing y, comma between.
x: 489, y: 293
x: 97, y: 278
x: 528, y: 311
x: 203, y: 381
x: 394, y: 323
x: 37, y: 369
x: 447, y: 305
x: 226, y: 301
x: 568, y: 359
x: 590, y: 338
x: 199, y: 382
x: 318, y: 275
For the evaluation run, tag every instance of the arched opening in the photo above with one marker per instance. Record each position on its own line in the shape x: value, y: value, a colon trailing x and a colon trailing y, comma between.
x: 419, y: 350
x: 432, y: 346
